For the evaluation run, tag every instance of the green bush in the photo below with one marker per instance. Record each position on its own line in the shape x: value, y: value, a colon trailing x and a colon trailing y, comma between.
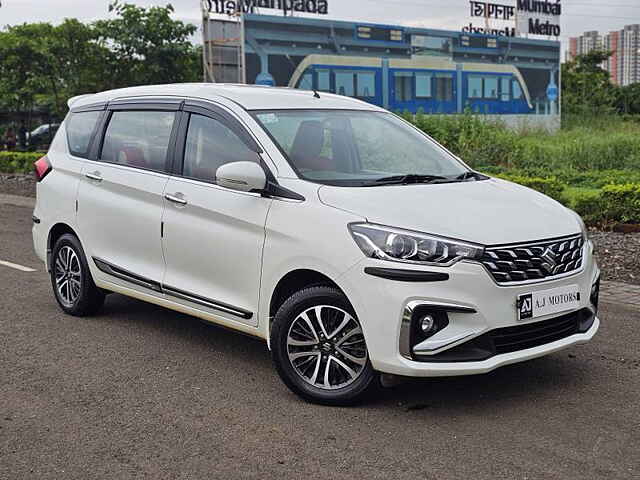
x: 575, y: 178
x: 18, y: 162
x: 622, y: 202
x: 588, y: 204
x: 550, y: 186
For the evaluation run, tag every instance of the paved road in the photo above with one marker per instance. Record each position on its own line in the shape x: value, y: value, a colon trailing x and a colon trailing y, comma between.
x: 142, y: 392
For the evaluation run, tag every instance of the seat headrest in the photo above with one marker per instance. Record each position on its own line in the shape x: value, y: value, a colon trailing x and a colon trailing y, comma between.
x: 309, y: 140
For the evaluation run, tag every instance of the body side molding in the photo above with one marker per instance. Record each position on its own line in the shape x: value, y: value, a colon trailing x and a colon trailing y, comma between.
x: 131, y: 277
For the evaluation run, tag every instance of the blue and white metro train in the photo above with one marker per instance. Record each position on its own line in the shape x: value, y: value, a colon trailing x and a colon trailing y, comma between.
x: 433, y: 84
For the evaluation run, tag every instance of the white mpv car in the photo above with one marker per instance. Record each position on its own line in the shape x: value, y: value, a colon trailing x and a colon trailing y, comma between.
x: 346, y: 238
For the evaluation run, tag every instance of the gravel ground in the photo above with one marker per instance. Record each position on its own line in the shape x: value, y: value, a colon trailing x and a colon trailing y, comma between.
x: 618, y: 253
x: 17, y: 184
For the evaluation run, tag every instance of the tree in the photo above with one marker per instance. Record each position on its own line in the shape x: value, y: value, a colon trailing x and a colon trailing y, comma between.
x: 628, y: 99
x: 586, y: 86
x: 147, y: 46
x: 19, y: 83
x: 43, y: 65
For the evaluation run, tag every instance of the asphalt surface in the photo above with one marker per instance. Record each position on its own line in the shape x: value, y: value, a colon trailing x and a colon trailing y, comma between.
x: 143, y: 392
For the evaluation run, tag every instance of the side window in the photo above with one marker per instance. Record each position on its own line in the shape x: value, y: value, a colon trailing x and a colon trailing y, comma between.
x: 366, y: 84
x: 444, y: 87
x: 324, y: 80
x: 505, y: 94
x: 475, y: 86
x: 80, y: 128
x: 345, y: 83
x: 306, y: 81
x: 423, y: 85
x: 403, y: 82
x: 209, y: 145
x: 490, y: 88
x: 517, y: 91
x: 138, y: 139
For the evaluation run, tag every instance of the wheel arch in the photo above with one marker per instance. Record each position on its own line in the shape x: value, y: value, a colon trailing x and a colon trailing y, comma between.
x: 294, y: 281
x: 55, y: 232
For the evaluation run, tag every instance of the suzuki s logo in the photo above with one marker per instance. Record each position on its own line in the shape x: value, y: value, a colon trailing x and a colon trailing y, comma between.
x: 550, y: 260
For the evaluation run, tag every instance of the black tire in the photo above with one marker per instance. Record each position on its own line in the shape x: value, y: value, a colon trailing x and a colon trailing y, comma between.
x: 84, y: 298
x: 291, y: 309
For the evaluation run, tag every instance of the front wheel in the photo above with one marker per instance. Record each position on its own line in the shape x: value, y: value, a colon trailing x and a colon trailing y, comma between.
x: 319, y: 349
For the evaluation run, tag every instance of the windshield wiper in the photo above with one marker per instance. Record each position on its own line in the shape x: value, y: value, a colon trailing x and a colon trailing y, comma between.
x: 470, y: 175
x: 407, y: 179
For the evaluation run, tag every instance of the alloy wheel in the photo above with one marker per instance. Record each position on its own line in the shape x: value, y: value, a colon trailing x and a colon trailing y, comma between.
x: 68, y: 275
x: 326, y: 347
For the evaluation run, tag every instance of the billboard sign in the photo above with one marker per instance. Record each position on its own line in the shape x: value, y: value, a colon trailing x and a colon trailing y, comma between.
x: 404, y: 68
x: 539, y: 17
x: 232, y: 7
x: 530, y: 17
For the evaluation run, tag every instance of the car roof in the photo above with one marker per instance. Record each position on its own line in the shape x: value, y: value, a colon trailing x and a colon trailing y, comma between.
x: 250, y: 97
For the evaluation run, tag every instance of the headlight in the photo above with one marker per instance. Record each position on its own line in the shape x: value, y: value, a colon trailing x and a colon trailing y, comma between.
x: 387, y: 243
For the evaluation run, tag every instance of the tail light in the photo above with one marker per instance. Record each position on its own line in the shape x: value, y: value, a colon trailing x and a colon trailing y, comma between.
x: 41, y: 168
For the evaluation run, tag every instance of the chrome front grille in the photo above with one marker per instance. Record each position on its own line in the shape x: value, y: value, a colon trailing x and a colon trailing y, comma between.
x: 534, y: 261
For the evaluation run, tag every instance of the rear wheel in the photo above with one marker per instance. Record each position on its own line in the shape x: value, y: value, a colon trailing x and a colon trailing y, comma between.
x: 319, y: 348
x: 71, y: 279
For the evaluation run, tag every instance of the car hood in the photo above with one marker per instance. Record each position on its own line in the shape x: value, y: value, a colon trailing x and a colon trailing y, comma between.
x: 489, y: 212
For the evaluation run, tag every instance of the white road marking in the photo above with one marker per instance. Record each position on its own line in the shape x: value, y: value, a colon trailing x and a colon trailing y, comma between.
x: 16, y: 266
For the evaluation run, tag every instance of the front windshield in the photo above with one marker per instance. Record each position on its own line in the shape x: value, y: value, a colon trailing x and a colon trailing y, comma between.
x: 357, y: 148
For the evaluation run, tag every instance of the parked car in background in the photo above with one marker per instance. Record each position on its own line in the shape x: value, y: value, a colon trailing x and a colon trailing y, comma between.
x: 347, y: 239
x: 43, y: 135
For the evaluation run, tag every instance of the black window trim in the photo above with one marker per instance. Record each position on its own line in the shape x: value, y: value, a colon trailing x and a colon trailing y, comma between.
x: 175, y: 151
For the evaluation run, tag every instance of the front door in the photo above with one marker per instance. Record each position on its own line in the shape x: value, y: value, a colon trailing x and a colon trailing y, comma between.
x: 213, y: 236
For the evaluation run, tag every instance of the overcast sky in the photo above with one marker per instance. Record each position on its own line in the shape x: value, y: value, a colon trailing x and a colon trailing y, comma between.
x: 578, y: 15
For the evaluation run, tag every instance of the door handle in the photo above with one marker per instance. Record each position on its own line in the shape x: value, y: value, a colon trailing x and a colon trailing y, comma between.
x: 94, y: 176
x: 177, y: 198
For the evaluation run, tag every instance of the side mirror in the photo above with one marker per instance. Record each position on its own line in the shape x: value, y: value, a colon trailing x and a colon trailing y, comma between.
x: 242, y: 176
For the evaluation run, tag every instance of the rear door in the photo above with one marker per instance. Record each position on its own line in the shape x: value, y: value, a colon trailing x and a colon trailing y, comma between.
x: 213, y: 236
x: 120, y: 199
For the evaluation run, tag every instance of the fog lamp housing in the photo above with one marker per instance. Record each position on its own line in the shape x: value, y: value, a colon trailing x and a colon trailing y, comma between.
x: 426, y: 322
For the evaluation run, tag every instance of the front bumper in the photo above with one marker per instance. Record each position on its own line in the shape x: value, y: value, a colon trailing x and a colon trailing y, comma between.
x: 481, y: 307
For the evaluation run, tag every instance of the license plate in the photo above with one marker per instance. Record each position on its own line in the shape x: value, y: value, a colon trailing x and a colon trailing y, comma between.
x: 547, y: 302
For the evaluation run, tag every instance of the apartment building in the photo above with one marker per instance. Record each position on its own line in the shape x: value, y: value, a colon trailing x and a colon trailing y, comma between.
x: 624, y: 63
x: 629, y: 55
